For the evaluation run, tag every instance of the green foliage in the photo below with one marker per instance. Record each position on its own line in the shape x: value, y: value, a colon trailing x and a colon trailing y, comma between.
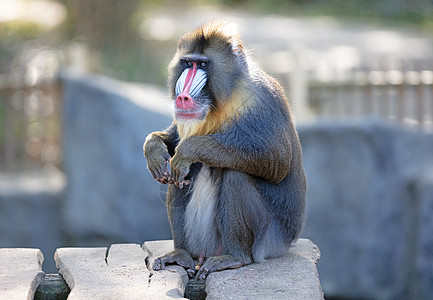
x: 146, y: 62
x: 2, y: 121
x: 383, y: 11
x: 111, y: 28
x: 19, y: 29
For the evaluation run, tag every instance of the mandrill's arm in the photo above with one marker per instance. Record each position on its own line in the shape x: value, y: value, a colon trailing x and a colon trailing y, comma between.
x: 265, y: 157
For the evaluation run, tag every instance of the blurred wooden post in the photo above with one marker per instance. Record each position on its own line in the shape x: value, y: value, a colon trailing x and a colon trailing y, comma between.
x: 420, y: 97
x: 368, y: 105
x: 420, y: 103
x: 9, y: 142
x: 298, y: 84
x: 401, y: 97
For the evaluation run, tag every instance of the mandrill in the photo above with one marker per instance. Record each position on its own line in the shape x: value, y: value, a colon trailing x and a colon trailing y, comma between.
x: 236, y: 191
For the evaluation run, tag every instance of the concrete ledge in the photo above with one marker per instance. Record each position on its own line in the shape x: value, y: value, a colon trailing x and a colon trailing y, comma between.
x: 173, y: 280
x: 122, y: 271
x: 293, y: 276
x: 100, y: 273
x: 20, y: 273
x: 118, y: 272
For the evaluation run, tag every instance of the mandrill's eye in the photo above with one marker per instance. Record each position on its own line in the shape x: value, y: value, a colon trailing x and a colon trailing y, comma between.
x: 203, y: 64
x: 189, y: 63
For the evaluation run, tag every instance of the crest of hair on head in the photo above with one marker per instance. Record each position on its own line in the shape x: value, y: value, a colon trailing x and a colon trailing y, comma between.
x: 228, y: 29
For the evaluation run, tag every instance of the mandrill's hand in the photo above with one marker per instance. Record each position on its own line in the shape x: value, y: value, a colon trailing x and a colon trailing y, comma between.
x: 180, y: 164
x: 157, y: 157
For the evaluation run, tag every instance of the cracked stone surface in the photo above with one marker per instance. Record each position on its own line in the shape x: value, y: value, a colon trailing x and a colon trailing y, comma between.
x: 118, y: 272
x: 293, y: 276
x: 20, y: 273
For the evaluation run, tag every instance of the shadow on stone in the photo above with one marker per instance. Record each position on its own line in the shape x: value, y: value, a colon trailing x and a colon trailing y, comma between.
x: 53, y: 287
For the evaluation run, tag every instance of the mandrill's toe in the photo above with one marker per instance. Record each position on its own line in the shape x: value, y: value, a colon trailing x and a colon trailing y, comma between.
x: 218, y: 263
x: 180, y: 257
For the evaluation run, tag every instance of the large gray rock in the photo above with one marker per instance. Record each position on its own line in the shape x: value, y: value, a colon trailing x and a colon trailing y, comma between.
x: 360, y: 208
x: 422, y: 237
x: 29, y: 211
x: 110, y: 196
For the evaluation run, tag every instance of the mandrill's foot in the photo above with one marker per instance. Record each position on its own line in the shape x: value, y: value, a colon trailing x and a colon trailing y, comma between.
x: 180, y: 257
x: 218, y: 263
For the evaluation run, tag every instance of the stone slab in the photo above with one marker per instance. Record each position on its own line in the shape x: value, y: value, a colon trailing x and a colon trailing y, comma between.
x: 293, y: 276
x: 20, y: 273
x: 118, y: 272
x: 173, y: 279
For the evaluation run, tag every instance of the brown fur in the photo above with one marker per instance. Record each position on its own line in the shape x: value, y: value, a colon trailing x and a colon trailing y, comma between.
x: 219, y: 117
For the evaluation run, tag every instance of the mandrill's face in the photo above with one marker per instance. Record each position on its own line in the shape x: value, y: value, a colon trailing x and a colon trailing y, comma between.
x: 192, y: 100
x: 204, y: 72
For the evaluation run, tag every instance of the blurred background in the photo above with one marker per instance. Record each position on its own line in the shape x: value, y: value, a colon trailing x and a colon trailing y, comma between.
x: 82, y: 82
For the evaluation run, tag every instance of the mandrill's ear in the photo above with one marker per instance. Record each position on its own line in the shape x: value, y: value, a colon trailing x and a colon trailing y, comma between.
x: 236, y: 47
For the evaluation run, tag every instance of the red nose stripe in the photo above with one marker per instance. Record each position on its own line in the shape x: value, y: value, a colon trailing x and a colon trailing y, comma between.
x: 190, y: 77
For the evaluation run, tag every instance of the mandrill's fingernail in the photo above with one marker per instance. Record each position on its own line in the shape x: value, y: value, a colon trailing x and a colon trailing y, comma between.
x: 190, y: 272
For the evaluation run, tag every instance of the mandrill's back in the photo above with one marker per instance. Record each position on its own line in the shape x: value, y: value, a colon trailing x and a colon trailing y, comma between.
x: 268, y: 124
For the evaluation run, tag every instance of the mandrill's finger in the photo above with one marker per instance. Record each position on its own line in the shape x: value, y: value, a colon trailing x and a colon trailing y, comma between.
x: 202, y: 273
x: 162, y: 180
x: 163, y: 169
x: 157, y: 265
x: 159, y: 174
x: 154, y: 172
x: 183, y: 183
x: 174, y: 174
x: 190, y: 272
x: 168, y: 177
x: 157, y: 168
